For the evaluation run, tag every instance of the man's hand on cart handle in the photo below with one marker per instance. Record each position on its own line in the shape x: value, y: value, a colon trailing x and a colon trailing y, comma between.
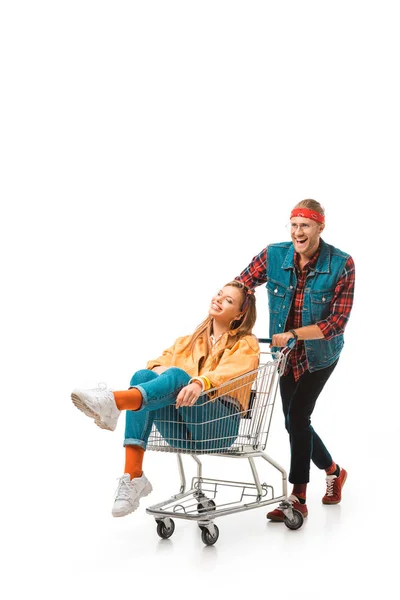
x: 282, y: 339
x: 189, y: 394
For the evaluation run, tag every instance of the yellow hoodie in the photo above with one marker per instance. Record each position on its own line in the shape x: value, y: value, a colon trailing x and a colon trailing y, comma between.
x: 234, y: 362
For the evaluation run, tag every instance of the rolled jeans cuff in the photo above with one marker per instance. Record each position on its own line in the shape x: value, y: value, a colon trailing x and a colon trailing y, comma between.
x: 135, y: 442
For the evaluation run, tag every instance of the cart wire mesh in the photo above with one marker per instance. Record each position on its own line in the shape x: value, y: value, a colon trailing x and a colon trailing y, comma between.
x: 231, y: 419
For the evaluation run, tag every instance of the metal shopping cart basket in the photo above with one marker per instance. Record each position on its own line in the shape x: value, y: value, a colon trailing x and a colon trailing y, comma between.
x: 221, y: 435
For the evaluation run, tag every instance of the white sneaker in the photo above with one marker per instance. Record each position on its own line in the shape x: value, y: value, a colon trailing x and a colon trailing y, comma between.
x: 99, y: 404
x: 129, y: 493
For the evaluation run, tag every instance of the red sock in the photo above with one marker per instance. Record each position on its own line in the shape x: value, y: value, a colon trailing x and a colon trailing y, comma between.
x: 134, y: 461
x: 331, y: 469
x: 128, y: 399
x: 300, y: 490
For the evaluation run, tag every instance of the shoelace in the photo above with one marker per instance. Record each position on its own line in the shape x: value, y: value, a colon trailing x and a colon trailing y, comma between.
x: 98, y: 392
x: 122, y: 491
x: 101, y: 387
x: 329, y: 486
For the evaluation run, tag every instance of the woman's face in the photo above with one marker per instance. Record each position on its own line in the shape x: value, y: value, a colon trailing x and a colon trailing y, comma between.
x: 225, y: 305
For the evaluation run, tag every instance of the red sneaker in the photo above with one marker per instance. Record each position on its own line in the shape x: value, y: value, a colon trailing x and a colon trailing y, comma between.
x: 334, y: 486
x: 278, y: 516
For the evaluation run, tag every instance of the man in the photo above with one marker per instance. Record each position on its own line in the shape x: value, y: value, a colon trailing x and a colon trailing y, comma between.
x: 310, y: 294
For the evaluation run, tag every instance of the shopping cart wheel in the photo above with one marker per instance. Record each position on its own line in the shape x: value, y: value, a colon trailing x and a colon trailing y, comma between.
x: 209, y: 538
x: 205, y: 505
x: 296, y: 522
x: 165, y: 531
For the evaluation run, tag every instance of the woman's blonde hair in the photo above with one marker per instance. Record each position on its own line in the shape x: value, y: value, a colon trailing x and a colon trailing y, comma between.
x: 312, y: 205
x: 237, y: 329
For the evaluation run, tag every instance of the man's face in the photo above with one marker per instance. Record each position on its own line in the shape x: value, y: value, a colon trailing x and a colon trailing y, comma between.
x: 305, y: 235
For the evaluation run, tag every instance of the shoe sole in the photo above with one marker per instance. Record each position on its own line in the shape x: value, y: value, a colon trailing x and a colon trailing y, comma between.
x: 281, y: 519
x: 336, y: 501
x: 124, y: 514
x: 275, y: 519
x: 80, y: 404
x: 147, y: 490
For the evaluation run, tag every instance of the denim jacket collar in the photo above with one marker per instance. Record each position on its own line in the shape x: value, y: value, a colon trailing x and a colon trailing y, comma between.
x: 322, y: 265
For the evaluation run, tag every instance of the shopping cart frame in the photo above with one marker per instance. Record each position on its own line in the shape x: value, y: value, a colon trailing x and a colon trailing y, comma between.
x: 198, y: 502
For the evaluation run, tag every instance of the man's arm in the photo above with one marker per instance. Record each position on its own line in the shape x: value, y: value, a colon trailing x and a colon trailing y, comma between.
x: 256, y: 272
x: 309, y: 332
x: 341, y: 303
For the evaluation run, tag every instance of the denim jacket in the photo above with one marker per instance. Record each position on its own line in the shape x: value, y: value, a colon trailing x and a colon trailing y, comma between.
x: 318, y: 293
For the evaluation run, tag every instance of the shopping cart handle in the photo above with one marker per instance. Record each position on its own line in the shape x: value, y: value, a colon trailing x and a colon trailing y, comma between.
x: 290, y: 343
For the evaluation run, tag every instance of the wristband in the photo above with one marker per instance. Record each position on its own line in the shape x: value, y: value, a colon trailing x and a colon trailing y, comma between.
x: 292, y: 331
x: 207, y: 382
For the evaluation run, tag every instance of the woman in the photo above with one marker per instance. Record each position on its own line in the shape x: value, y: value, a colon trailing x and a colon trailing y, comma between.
x: 165, y: 393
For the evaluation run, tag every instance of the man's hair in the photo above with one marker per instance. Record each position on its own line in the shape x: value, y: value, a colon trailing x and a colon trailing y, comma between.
x: 312, y: 205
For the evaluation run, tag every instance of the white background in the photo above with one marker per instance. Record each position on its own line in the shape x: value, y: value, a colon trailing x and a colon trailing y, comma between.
x: 148, y: 151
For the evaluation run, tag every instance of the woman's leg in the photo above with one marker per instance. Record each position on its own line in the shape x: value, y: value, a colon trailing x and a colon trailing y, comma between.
x: 137, y: 429
x: 153, y: 394
x: 212, y: 425
x: 172, y: 428
x: 138, y: 422
x: 204, y: 426
x: 158, y: 392
x: 134, y: 485
x: 104, y: 406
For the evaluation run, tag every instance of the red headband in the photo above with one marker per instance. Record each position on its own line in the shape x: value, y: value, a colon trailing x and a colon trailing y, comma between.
x: 308, y: 214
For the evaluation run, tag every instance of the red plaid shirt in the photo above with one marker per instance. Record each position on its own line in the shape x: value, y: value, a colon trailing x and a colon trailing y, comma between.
x: 256, y: 274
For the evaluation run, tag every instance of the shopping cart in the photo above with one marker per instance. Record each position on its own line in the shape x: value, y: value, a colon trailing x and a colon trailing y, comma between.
x: 246, y: 437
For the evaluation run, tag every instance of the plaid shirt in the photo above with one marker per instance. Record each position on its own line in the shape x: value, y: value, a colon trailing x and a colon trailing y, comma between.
x: 256, y: 274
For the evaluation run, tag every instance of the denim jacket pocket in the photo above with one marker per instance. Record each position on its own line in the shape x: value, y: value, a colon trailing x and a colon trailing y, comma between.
x: 320, y: 304
x: 276, y: 296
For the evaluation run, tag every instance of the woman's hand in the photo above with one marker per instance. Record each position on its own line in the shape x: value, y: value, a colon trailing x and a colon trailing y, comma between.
x: 189, y: 394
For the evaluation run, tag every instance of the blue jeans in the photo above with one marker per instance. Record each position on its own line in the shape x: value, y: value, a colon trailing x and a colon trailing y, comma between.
x: 203, y: 426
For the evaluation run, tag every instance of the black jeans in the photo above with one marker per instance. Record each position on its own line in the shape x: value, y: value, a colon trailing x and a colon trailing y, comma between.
x: 298, y: 402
